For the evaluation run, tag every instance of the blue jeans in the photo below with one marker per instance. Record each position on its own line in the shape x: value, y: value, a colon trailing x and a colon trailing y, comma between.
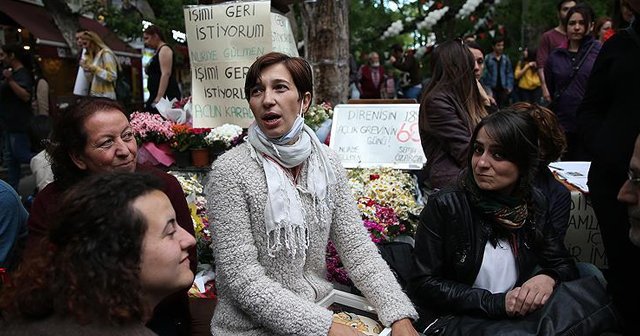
x: 17, y: 150
x: 412, y: 92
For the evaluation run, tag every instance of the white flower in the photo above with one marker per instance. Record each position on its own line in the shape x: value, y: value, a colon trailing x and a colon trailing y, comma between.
x: 226, y: 133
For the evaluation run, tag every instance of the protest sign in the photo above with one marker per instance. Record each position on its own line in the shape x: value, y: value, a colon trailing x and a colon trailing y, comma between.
x: 377, y: 135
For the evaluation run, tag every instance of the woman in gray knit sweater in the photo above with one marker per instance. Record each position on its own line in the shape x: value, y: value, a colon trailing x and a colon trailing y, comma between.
x: 275, y: 202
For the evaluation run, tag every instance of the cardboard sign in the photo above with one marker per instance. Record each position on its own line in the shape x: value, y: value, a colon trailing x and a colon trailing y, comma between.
x: 583, y: 238
x: 377, y: 135
x: 224, y: 40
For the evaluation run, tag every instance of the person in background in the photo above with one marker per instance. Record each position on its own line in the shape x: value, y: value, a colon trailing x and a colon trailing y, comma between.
x: 550, y: 40
x: 114, y: 251
x: 160, y: 69
x: 478, y: 71
x: 481, y: 246
x: 407, y: 62
x: 629, y: 194
x: 13, y: 227
x: 371, y: 78
x: 498, y: 73
x: 15, y: 109
x: 609, y: 122
x: 450, y: 108
x: 354, y: 93
x: 603, y: 29
x: 92, y: 137
x: 100, y: 66
x: 275, y: 201
x: 81, y: 84
x: 526, y: 73
x: 567, y: 71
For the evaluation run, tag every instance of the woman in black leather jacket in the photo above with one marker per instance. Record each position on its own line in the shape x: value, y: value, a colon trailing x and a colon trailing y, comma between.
x: 479, y: 244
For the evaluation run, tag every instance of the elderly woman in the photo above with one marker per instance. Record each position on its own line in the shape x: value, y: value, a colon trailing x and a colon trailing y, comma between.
x: 479, y: 243
x: 449, y: 110
x: 277, y: 199
x: 94, y: 137
x: 115, y: 251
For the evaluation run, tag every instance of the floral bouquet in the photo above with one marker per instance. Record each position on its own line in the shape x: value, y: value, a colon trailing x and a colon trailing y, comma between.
x: 318, y: 118
x: 149, y: 127
x: 390, y: 188
x: 224, y: 137
x: 318, y: 114
x: 335, y: 269
x: 197, y: 203
x: 152, y: 133
x: 381, y: 221
x: 186, y: 137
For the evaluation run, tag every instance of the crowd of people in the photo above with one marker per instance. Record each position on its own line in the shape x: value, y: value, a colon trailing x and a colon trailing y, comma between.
x: 108, y: 246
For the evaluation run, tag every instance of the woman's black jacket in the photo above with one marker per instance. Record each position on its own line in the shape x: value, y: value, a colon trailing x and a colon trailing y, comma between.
x: 449, y: 247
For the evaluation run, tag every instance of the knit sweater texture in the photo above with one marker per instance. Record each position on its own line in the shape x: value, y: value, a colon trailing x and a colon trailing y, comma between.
x: 263, y: 295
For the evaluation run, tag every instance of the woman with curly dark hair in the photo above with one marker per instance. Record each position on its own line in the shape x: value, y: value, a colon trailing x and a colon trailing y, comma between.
x: 114, y: 252
x: 95, y: 136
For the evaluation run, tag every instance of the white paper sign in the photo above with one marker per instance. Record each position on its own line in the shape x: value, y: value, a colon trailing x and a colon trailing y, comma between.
x: 224, y: 40
x: 282, y: 35
x: 377, y: 135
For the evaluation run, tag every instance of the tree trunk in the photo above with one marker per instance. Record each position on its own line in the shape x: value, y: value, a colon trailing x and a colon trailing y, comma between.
x: 326, y: 38
x: 66, y: 21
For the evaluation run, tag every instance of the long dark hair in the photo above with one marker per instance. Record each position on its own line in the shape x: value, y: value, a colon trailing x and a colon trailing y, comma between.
x: 517, y: 135
x: 452, y: 70
x: 90, y: 268
x: 69, y: 137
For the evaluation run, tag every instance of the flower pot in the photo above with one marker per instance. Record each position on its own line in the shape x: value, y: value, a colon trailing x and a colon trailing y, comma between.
x: 200, y: 157
x: 183, y: 158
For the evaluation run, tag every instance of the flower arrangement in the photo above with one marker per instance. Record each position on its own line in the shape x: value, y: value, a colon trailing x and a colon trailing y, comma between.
x: 318, y: 114
x: 186, y: 137
x: 381, y: 221
x: 149, y: 127
x: 390, y: 188
x: 197, y: 203
x: 335, y: 269
x: 224, y: 137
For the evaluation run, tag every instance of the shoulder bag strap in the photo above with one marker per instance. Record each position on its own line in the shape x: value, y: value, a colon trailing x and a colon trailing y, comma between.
x: 574, y: 72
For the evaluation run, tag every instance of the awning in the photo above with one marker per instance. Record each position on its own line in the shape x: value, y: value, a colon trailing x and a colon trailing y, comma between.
x: 40, y: 23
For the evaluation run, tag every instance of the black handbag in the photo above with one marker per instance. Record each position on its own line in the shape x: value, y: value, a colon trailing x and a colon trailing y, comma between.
x: 579, y: 307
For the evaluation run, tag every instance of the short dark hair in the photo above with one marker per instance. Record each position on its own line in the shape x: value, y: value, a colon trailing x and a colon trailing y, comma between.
x: 583, y: 9
x: 517, y: 135
x: 473, y: 45
x: 155, y: 30
x: 18, y: 51
x: 298, y: 67
x: 91, y: 268
x: 562, y: 2
x: 69, y: 137
x: 397, y: 47
x: 497, y: 40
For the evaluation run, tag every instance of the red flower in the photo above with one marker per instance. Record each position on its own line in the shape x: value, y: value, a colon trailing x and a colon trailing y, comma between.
x: 374, y: 177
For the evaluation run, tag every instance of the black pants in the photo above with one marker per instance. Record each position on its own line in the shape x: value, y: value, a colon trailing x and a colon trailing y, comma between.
x: 622, y: 256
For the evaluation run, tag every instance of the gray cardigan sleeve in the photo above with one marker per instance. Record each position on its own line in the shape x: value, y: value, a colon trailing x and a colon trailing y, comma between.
x: 366, y: 268
x: 237, y: 265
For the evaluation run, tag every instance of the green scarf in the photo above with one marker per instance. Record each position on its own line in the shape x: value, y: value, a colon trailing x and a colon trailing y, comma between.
x: 509, y: 211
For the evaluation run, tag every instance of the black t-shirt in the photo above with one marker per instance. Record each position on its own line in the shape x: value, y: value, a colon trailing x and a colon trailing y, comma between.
x: 14, y: 112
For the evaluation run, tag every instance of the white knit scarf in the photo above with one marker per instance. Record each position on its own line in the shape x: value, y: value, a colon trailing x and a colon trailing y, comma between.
x: 284, y: 214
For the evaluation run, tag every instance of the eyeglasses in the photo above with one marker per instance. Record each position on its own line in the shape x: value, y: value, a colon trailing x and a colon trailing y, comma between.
x: 635, y: 180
